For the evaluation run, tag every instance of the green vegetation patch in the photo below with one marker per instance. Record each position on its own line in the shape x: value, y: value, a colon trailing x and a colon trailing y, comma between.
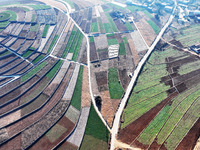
x: 70, y: 2
x: 44, y: 34
x: 78, y: 45
x: 110, y: 35
x: 107, y: 27
x: 122, y: 49
x: 95, y: 126
x: 129, y: 26
x: 55, y: 132
x: 189, y: 67
x: 13, y: 15
x: 4, y: 24
x: 4, y: 16
x: 91, y: 39
x: 75, y: 40
x: 115, y: 89
x: 112, y: 41
x: 154, y: 26
x: 112, y: 24
x: 54, y: 70
x: 91, y: 143
x: 33, y: 71
x: 125, y: 40
x: 40, y: 57
x: 34, y: 28
x: 52, y: 43
x: 185, y: 124
x: 94, y: 27
x: 33, y: 17
x: 28, y: 52
x: 76, y: 98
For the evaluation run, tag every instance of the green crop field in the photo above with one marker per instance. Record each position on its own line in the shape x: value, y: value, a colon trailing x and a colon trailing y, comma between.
x: 112, y: 41
x: 13, y: 15
x: 40, y: 57
x: 111, y: 22
x: 122, y: 49
x: 33, y: 71
x: 91, y: 39
x: 34, y: 28
x: 4, y: 24
x: 44, y: 34
x: 115, y: 89
x: 94, y: 27
x: 52, y: 43
x: 154, y: 26
x: 33, y: 17
x: 70, y: 2
x: 76, y: 98
x: 4, y: 16
x: 189, y: 36
x: 75, y: 40
x: 29, y: 52
x: 107, y: 28
x: 69, y: 43
x: 54, y: 70
x: 129, y: 26
x: 78, y: 45
x: 149, y: 134
x: 95, y: 133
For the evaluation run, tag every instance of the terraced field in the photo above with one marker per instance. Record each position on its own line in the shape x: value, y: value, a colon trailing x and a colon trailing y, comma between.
x: 41, y: 93
x: 165, y: 97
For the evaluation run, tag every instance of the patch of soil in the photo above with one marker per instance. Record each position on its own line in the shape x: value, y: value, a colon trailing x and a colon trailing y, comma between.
x: 93, y: 53
x: 124, y: 78
x: 14, y: 144
x: 101, y: 78
x: 85, y: 97
x: 177, y: 43
x: 130, y: 132
x: 67, y: 146
x: 120, y: 26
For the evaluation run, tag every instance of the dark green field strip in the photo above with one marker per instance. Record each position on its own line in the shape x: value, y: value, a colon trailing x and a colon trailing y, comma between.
x: 76, y: 38
x: 78, y: 45
x: 54, y: 70
x: 52, y: 43
x: 13, y: 15
x: 70, y: 41
x: 76, y: 98
x: 154, y: 26
x: 122, y: 49
x: 33, y: 71
x: 112, y: 24
x: 115, y: 89
x: 94, y: 27
x: 95, y: 128
x: 37, y: 59
x: 44, y: 34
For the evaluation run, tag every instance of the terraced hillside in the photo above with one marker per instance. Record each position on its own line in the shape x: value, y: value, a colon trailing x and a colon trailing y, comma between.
x: 42, y: 59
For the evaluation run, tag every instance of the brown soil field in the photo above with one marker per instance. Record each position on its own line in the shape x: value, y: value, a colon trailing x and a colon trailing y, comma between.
x: 44, y: 142
x: 11, y: 64
x: 146, y: 31
x: 108, y: 107
x: 9, y: 58
x: 85, y: 97
x: 129, y: 133
x: 189, y: 141
x: 135, y: 55
x: 17, y: 68
x: 124, y: 78
x: 103, y: 55
x: 120, y: 25
x: 5, y: 89
x: 67, y: 146
x: 17, y: 44
x: 93, y: 53
x: 14, y: 144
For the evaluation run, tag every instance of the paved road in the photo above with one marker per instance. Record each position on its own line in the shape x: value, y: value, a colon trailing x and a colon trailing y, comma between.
x: 133, y: 80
